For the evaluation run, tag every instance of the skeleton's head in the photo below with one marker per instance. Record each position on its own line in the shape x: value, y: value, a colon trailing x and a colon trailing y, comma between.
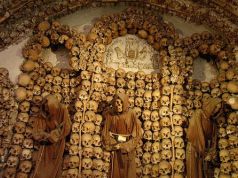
x: 147, y: 135
x: 74, y: 139
x: 25, y: 166
x: 165, y: 132
x: 87, y: 140
x: 26, y: 154
x: 164, y: 111
x: 179, y: 166
x: 166, y: 143
x: 180, y: 153
x: 164, y: 167
x: 146, y: 115
x: 146, y: 158
x: 12, y: 161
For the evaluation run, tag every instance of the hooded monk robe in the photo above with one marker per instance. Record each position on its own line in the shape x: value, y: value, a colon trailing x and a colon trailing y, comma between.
x: 50, y: 129
x: 125, y: 123
x: 201, y: 128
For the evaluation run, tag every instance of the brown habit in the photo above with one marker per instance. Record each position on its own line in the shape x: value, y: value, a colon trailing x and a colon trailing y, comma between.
x: 125, y: 123
x: 51, y: 129
x: 201, y: 128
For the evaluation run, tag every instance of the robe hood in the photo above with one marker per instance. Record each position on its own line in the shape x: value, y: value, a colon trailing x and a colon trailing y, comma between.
x: 125, y: 101
x: 209, y: 107
x: 53, y: 105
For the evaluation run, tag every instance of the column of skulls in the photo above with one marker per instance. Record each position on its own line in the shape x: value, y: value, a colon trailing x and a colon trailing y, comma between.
x: 227, y: 88
x: 8, y: 114
x: 172, y: 114
x: 151, y: 125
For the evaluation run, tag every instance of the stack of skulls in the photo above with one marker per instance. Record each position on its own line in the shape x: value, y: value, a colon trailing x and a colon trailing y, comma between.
x: 172, y: 116
x: 227, y: 145
x: 86, y: 156
x: 39, y: 78
x: 8, y: 114
x: 226, y: 87
x: 22, y: 142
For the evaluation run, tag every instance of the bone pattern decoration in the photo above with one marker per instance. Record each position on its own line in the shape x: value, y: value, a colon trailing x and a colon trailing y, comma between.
x: 73, y: 89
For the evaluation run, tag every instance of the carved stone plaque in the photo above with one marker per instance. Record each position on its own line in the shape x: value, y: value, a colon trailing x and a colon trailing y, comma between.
x: 132, y: 54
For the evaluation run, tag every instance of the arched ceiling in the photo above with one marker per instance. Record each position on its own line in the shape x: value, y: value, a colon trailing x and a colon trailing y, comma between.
x: 18, y: 17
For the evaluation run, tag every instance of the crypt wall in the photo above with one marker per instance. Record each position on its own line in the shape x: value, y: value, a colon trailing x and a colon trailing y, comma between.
x: 126, y: 52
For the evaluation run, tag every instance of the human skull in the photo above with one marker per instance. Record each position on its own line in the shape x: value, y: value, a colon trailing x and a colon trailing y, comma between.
x: 98, y: 152
x: 28, y: 143
x: 178, y: 90
x: 137, y: 111
x: 146, y: 115
x: 147, y: 135
x: 98, y: 164
x: 178, y: 120
x: 226, y: 168
x: 92, y: 106
x: 97, y: 140
x: 88, y: 127
x: 166, y: 90
x: 73, y: 161
x: 166, y: 143
x: 154, y: 116
x: 148, y: 96
x: 17, y: 139
x: 164, y: 111
x: 24, y: 106
x: 147, y: 169
x: 74, y: 139
x: 121, y: 83
x: 224, y: 156
x: 87, y: 140
x: 215, y: 92
x: 179, y: 142
x: 26, y: 154
x: 140, y: 75
x: 164, y: 167
x: 83, y: 95
x: 232, y: 118
x: 179, y: 166
x: 140, y: 84
x: 86, y: 85
x: 25, y: 166
x: 178, y: 131
x: 140, y: 92
x: 165, y: 132
x: 223, y: 143
x: 178, y: 109
x: 130, y: 75
x: 73, y: 150
x: 12, y: 161
x: 180, y: 153
x: 147, y: 125
x: 120, y: 73
x: 139, y: 102
x: 155, y: 126
x: 87, y: 163
x: 155, y: 158
x: 15, y: 150
x: 88, y: 152
x: 146, y: 158
x: 164, y: 100
x: 20, y: 127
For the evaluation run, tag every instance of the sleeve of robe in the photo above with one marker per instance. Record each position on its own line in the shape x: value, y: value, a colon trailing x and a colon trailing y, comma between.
x: 136, y: 135
x: 107, y: 141
x: 55, y: 136
x: 195, y: 132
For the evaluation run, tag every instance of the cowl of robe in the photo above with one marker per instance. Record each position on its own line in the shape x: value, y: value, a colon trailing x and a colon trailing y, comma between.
x: 201, y: 128
x: 123, y: 160
x: 49, y: 157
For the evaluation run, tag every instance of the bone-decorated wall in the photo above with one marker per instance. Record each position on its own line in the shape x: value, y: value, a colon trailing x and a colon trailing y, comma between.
x: 163, y: 100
